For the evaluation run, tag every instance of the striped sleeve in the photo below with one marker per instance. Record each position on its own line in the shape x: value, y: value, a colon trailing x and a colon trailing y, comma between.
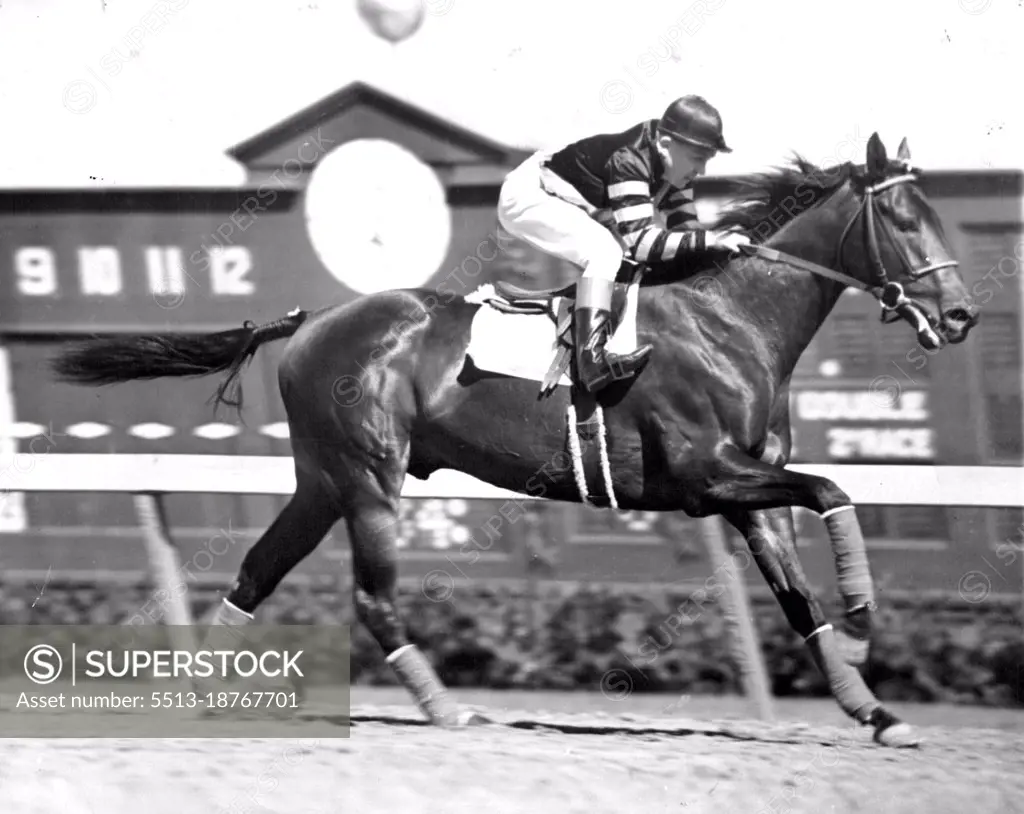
x: 679, y: 207
x: 632, y: 206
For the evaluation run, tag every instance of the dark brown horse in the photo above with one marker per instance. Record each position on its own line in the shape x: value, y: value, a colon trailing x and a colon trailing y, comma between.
x: 372, y: 394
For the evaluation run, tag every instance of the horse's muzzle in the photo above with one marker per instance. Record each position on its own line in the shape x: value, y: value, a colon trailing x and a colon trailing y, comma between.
x: 957, y: 323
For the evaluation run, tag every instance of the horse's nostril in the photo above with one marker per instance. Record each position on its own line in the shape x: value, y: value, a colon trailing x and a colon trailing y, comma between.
x: 957, y: 315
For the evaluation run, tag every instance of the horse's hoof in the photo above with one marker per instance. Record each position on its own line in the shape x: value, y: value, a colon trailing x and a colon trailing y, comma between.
x: 898, y: 736
x: 470, y: 718
x: 460, y: 719
x: 891, y: 731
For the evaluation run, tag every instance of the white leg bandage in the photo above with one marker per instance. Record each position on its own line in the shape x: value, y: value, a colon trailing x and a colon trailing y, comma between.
x: 850, y: 554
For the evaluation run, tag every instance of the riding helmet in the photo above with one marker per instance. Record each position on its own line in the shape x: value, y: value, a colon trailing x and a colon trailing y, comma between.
x: 693, y: 120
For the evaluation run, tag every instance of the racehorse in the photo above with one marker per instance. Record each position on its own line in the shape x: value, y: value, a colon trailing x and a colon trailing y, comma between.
x: 703, y: 429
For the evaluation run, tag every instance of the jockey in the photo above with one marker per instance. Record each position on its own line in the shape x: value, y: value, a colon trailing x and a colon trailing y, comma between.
x: 595, y: 201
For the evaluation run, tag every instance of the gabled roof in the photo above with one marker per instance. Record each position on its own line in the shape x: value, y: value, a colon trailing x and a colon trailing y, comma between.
x: 361, y: 111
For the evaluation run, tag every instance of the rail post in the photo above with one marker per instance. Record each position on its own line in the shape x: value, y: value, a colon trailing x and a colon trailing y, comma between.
x: 165, y: 566
x: 743, y: 638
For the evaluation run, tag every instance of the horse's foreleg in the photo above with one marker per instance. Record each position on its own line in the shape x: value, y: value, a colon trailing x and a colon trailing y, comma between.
x: 739, y: 483
x: 771, y: 536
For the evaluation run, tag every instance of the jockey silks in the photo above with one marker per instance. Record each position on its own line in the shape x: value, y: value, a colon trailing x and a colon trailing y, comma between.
x: 620, y: 180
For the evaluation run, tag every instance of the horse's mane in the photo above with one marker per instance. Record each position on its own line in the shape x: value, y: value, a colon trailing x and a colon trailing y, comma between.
x: 762, y: 203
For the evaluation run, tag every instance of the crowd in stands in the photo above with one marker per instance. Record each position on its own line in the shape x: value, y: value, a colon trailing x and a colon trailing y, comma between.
x: 556, y: 636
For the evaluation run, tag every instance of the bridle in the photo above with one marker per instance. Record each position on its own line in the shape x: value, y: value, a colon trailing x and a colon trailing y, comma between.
x: 889, y: 293
x: 892, y: 295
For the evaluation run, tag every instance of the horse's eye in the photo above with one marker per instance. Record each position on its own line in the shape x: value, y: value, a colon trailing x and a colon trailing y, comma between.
x: 902, y: 221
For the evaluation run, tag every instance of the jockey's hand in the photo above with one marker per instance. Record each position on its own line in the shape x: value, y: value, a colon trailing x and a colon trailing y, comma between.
x: 728, y: 241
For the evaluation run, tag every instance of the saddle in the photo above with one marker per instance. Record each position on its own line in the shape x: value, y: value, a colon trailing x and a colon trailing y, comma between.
x: 515, y: 294
x: 528, y: 301
x: 514, y: 299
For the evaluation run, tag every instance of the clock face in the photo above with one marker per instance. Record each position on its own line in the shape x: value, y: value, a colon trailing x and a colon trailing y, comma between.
x: 377, y: 216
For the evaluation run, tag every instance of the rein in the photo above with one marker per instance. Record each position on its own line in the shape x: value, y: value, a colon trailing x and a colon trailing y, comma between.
x: 890, y: 295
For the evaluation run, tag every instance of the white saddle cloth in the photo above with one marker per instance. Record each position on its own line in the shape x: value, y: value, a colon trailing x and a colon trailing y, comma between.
x: 524, y: 345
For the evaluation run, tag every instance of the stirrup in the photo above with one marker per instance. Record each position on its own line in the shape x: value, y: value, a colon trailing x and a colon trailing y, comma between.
x: 613, y: 367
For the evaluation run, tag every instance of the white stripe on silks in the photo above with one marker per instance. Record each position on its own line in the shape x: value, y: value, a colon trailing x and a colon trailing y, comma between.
x: 626, y: 188
x: 643, y: 248
x: 675, y: 240
x: 637, y: 212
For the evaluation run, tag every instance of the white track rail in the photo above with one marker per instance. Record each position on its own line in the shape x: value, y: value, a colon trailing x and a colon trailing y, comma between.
x: 911, y: 485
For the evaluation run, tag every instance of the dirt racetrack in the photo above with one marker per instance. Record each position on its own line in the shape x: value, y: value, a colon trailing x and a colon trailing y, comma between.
x: 583, y: 753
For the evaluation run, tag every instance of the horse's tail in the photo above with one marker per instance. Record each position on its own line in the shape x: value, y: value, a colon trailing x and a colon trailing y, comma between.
x: 124, y: 358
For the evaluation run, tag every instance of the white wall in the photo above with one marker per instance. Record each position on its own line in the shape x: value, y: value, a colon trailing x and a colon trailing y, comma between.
x: 811, y: 75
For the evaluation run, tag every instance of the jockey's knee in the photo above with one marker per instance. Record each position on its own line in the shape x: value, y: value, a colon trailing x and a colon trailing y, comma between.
x: 602, y: 257
x: 506, y: 212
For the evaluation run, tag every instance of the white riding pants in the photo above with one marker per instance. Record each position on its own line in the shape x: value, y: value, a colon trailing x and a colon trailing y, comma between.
x: 534, y: 206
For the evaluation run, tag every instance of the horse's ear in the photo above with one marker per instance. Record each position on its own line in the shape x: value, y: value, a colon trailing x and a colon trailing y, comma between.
x: 878, y: 160
x: 903, y: 154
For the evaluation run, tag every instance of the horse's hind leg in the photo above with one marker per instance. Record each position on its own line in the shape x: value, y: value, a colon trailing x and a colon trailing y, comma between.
x: 771, y: 536
x: 372, y: 530
x: 293, y: 535
x: 367, y: 473
x: 372, y: 518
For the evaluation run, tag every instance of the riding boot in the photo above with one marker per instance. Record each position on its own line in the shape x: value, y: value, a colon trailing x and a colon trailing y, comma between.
x: 595, y: 367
